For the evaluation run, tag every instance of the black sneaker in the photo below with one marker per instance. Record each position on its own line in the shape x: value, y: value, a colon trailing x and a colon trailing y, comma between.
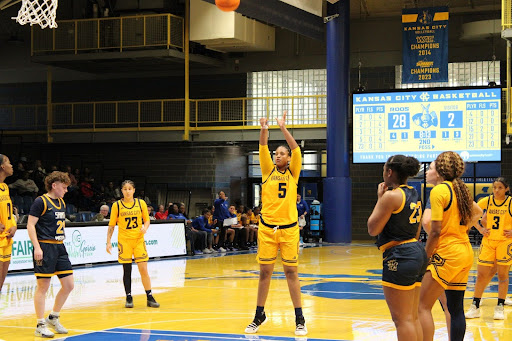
x: 256, y: 323
x: 152, y: 303
x: 300, y: 328
x: 129, y: 302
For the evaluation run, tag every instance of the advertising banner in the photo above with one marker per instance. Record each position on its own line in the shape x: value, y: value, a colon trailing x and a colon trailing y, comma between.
x: 87, y: 245
x: 425, y: 45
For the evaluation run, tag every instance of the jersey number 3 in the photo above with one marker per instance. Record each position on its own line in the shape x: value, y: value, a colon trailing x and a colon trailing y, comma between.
x: 416, y: 213
x: 496, y: 225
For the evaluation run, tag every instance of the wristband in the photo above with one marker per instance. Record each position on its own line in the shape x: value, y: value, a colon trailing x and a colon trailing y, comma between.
x: 265, y: 126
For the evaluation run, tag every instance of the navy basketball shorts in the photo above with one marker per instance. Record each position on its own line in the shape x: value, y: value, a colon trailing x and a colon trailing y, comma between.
x: 55, y: 261
x: 403, y: 266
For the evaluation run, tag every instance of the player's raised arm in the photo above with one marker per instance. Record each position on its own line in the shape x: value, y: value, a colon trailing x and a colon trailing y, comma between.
x: 281, y: 122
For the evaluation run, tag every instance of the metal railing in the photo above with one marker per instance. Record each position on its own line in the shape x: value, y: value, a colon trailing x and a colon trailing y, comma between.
x: 117, y: 33
x: 506, y: 14
x: 166, y: 114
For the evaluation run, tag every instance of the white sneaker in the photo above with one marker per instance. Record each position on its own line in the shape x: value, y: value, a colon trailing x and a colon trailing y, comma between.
x: 300, y: 328
x: 43, y: 331
x: 508, y: 301
x: 473, y: 312
x: 255, y: 324
x: 207, y: 251
x: 221, y: 249
x: 499, y: 312
x: 212, y: 250
x: 55, y: 325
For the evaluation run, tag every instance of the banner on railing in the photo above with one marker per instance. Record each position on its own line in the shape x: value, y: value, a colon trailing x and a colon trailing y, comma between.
x: 425, y: 45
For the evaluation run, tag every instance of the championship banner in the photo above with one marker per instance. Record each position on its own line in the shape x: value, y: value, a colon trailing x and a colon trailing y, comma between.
x: 425, y: 45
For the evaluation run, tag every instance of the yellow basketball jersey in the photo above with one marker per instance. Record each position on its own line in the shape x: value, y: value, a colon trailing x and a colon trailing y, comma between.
x: 445, y: 209
x: 129, y: 218
x: 6, y: 213
x: 499, y: 216
x: 279, y: 189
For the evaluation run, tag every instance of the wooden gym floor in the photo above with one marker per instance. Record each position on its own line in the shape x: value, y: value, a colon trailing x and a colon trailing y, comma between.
x: 213, y: 298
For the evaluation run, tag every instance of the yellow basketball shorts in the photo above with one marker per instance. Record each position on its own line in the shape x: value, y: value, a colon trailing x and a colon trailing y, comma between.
x: 450, y: 266
x: 269, y: 242
x: 132, y: 249
x: 499, y: 251
x: 5, y: 249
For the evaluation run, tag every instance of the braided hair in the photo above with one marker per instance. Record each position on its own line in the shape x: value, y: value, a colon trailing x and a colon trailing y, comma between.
x: 450, y: 166
x: 403, y: 166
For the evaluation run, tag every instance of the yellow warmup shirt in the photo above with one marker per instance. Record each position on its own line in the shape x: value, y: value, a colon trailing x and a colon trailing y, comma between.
x: 499, y: 216
x: 279, y: 189
x: 445, y: 209
x: 129, y: 218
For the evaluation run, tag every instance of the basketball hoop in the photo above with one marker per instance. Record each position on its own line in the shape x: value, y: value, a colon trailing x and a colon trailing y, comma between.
x: 41, y: 12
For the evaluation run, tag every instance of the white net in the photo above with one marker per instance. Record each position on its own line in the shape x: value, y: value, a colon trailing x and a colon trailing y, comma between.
x: 41, y: 12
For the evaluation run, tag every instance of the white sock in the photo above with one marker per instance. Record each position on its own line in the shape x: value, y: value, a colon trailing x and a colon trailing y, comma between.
x: 40, y: 321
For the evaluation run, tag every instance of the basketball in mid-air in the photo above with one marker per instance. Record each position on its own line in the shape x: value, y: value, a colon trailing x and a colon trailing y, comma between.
x: 227, y: 5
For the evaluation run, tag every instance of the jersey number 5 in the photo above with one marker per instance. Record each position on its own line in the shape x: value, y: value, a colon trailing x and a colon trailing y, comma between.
x: 129, y: 221
x: 282, y: 190
x: 416, y: 213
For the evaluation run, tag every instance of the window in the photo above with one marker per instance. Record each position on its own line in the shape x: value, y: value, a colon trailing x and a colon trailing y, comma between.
x: 297, y: 91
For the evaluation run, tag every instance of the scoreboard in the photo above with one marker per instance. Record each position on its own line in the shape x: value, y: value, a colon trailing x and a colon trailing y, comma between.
x: 426, y: 123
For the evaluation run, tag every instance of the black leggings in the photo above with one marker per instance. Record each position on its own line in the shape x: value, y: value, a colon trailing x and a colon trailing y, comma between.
x: 127, y: 278
x: 455, y: 303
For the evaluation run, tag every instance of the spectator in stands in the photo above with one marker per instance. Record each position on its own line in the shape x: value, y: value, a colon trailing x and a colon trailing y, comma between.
x: 192, y: 235
x: 255, y: 217
x: 87, y: 193
x: 161, y: 214
x: 241, y: 210
x: 220, y: 213
x: 202, y: 236
x: 201, y: 224
x: 302, y: 209
x: 112, y: 193
x: 38, y: 175
x: 151, y: 213
x: 20, y: 169
x: 103, y: 215
x: 77, y: 175
x: 26, y: 192
x: 143, y: 196
x: 252, y: 228
x: 233, y: 227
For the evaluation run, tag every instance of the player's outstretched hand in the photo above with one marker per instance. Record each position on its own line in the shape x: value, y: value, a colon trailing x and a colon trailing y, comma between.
x: 264, y: 122
x: 109, y: 248
x: 281, y: 122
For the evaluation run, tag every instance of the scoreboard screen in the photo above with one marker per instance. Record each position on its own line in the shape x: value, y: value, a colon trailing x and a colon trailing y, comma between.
x: 426, y: 123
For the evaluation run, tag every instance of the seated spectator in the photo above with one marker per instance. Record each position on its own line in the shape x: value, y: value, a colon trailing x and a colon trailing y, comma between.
x: 161, y: 214
x: 201, y: 224
x: 233, y: 228
x: 103, y: 215
x: 254, y: 218
x: 195, y: 237
x: 143, y: 196
x: 112, y: 194
x: 302, y: 210
x: 239, y: 212
x: 26, y: 190
x: 151, y: 213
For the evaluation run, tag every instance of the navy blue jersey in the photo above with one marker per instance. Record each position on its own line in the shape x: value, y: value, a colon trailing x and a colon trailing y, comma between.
x: 52, y: 218
x: 403, y: 223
